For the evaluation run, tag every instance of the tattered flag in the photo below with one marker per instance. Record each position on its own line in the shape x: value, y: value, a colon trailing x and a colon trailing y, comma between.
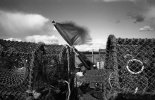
x: 73, y: 34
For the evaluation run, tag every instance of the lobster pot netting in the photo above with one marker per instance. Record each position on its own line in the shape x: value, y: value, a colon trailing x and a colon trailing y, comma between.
x: 15, y: 66
x: 133, y: 65
x: 14, y: 73
x: 53, y: 67
x: 25, y: 47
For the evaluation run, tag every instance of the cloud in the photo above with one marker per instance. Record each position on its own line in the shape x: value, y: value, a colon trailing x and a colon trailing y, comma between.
x: 146, y: 28
x: 150, y: 14
x: 95, y: 45
x: 146, y: 15
x: 19, y: 24
x: 137, y: 17
x: 120, y: 0
x: 14, y: 39
x: 47, y: 39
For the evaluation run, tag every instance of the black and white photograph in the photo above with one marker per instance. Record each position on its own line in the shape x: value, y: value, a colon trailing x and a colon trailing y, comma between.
x: 77, y: 49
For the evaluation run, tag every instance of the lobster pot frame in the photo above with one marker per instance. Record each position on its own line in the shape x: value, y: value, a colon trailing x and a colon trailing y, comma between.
x: 132, y: 62
x: 53, y: 66
x: 15, y: 66
x: 14, y: 74
x: 28, y: 66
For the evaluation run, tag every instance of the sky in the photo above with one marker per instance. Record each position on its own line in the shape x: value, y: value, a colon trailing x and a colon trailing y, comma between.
x: 30, y: 20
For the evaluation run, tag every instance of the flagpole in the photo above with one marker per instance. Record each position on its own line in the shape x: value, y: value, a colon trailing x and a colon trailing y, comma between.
x: 79, y: 56
x: 99, y: 58
x: 93, y: 55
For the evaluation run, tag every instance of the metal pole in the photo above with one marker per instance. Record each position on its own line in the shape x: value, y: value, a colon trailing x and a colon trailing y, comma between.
x: 99, y: 59
x: 93, y: 56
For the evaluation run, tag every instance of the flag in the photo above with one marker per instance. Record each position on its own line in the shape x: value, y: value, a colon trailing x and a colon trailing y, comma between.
x: 73, y: 34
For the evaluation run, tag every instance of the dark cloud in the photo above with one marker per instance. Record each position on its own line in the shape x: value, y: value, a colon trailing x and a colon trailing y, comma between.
x: 134, y: 1
x: 145, y: 12
x: 137, y: 18
x: 151, y: 2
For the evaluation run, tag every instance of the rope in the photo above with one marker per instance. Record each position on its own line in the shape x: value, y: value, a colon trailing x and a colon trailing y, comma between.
x: 68, y: 60
x: 69, y: 90
x: 68, y: 84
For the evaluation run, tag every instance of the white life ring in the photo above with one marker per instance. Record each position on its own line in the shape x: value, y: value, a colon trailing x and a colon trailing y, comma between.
x: 132, y: 72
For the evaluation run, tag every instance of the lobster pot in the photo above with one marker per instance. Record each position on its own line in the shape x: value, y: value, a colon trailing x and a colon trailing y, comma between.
x: 15, y: 46
x: 15, y: 65
x: 55, y: 65
x: 132, y: 62
x: 14, y: 74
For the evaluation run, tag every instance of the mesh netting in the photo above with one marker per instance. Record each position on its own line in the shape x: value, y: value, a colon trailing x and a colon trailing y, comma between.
x: 53, y: 66
x: 25, y: 47
x: 54, y: 61
x: 15, y: 62
x: 14, y: 74
x: 133, y: 65
x: 29, y: 66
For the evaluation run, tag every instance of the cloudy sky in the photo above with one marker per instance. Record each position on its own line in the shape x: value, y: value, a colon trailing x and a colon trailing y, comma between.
x: 29, y: 20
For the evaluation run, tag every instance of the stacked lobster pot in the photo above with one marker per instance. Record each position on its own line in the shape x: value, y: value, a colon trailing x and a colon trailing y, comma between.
x: 98, y: 82
x: 132, y: 65
x: 57, y: 63
x: 15, y: 68
x: 27, y: 67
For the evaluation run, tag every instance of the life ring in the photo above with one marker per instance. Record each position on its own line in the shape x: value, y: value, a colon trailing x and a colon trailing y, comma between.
x: 135, y: 60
